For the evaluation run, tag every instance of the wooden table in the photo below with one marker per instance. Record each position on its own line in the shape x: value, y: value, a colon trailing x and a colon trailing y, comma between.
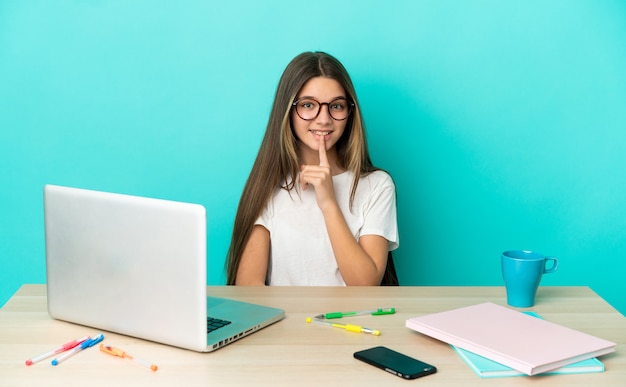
x: 292, y: 352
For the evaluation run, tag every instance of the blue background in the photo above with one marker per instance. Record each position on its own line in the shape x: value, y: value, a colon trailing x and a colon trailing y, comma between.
x: 502, y: 122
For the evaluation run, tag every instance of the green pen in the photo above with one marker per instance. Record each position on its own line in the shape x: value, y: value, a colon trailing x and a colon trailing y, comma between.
x: 373, y: 312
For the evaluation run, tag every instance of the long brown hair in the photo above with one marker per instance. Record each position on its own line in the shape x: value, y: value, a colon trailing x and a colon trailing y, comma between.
x: 277, y: 163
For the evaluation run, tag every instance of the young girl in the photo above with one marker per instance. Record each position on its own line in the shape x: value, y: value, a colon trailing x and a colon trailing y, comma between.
x: 314, y: 210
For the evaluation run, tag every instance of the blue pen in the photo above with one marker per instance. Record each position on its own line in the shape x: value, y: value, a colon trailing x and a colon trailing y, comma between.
x: 90, y: 342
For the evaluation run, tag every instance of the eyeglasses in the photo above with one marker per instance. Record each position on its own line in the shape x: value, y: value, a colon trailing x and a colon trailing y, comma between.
x: 308, y: 108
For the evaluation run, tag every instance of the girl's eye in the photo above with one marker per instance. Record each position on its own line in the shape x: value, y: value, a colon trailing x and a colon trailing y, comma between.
x: 308, y: 105
x: 338, y: 106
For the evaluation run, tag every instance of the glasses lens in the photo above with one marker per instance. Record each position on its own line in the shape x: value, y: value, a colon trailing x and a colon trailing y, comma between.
x: 307, y: 109
x: 339, y: 109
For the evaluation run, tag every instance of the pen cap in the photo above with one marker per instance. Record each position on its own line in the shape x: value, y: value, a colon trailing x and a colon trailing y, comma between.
x: 112, y: 350
x: 92, y: 341
x: 381, y: 311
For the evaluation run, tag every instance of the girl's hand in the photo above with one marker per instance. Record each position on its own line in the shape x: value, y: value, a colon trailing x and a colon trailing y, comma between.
x: 319, y: 176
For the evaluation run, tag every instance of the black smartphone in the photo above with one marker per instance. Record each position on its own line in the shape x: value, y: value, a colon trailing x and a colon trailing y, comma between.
x: 395, y: 362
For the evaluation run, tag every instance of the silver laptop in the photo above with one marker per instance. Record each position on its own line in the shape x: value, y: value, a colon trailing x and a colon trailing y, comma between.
x: 137, y: 266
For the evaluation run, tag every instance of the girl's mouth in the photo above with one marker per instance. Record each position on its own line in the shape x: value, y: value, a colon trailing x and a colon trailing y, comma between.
x: 322, y: 133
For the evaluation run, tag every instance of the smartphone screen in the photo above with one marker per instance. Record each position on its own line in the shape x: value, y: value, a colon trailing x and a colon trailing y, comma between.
x: 395, y: 363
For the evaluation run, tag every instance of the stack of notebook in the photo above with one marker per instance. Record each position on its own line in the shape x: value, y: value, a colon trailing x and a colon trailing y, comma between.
x: 523, y: 343
x: 486, y: 368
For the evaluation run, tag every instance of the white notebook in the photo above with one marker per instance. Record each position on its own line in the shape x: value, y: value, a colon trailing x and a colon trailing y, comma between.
x: 522, y: 342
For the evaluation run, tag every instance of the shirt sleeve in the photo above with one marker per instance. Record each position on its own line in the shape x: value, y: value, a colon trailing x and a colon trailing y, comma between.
x: 380, y: 216
x: 265, y: 219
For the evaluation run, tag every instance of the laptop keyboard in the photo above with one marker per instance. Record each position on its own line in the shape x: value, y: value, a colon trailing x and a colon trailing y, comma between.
x: 215, y: 323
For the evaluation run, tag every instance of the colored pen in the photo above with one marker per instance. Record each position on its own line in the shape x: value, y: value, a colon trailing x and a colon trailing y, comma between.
x: 63, y: 348
x: 348, y: 327
x: 373, y: 312
x: 119, y: 353
x: 90, y: 342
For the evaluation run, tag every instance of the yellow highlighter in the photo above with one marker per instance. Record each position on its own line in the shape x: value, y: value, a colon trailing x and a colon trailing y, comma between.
x: 348, y: 327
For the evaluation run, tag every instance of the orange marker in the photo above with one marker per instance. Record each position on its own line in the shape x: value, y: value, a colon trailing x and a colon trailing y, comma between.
x: 119, y: 353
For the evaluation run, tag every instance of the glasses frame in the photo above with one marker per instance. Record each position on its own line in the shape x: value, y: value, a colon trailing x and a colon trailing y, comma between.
x: 294, y: 104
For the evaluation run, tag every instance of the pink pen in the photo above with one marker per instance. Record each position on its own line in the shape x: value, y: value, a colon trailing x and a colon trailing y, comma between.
x: 63, y: 348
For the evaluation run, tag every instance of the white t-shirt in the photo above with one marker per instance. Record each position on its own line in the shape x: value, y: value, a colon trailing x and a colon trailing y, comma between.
x: 300, y: 252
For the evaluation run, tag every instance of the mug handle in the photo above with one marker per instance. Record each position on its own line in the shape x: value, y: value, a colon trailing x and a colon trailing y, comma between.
x: 552, y: 269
